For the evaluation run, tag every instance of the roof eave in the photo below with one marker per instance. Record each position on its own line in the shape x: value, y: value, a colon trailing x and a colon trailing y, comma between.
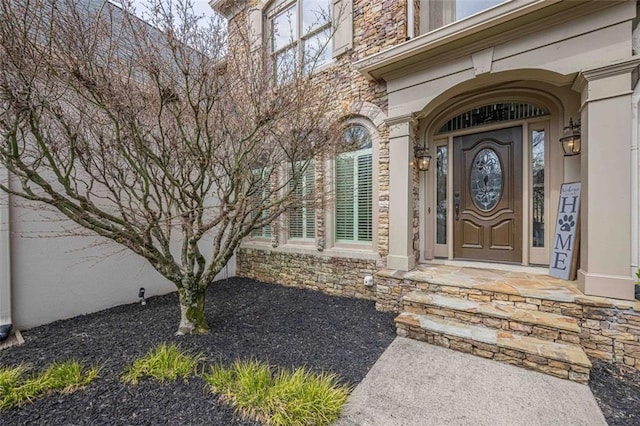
x: 227, y: 8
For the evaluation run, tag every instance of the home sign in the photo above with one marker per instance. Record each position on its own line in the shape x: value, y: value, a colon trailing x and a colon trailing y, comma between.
x: 565, y: 243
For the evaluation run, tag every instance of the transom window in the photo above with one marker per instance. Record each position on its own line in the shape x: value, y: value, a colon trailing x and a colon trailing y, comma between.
x: 444, y: 12
x: 492, y: 113
x: 466, y: 8
x: 300, y: 36
x: 354, y: 187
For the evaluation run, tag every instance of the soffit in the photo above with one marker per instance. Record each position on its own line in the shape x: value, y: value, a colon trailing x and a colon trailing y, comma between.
x: 448, y: 43
x: 227, y: 8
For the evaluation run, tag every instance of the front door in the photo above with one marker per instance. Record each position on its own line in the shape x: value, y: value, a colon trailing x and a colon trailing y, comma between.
x: 487, y: 196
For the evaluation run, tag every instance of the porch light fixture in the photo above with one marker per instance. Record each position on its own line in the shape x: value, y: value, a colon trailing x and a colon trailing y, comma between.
x: 571, y: 142
x: 422, y: 158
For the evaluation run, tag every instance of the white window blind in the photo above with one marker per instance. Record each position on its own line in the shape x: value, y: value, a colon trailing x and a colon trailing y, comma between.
x: 261, y: 198
x: 354, y: 190
x: 302, y: 215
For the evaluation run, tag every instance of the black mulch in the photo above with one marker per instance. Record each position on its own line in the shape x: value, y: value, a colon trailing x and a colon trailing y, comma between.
x: 617, y: 390
x: 285, y: 326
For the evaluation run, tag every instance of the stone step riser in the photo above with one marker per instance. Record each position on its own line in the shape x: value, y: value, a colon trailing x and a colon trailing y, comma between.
x: 390, y: 301
x: 526, y: 329
x: 576, y: 373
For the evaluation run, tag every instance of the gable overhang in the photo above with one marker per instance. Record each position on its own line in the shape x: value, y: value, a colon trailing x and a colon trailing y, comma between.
x: 504, y: 22
x: 227, y: 8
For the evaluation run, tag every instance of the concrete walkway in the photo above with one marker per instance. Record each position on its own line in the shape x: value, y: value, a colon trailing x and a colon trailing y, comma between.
x: 414, y: 383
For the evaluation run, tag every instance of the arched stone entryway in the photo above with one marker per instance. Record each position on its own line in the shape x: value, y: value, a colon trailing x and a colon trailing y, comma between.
x: 518, y: 125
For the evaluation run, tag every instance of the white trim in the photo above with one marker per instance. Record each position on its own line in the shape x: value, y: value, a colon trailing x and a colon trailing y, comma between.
x: 5, y: 252
x: 527, y: 216
x: 330, y: 181
x: 299, y: 44
x: 411, y: 19
x: 504, y: 22
x: 635, y: 180
x: 539, y: 255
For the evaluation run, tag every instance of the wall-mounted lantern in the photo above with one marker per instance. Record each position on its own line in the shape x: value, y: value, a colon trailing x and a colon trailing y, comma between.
x: 422, y: 158
x: 571, y: 141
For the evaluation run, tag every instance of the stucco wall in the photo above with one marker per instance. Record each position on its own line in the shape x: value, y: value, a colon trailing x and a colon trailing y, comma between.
x: 57, y: 275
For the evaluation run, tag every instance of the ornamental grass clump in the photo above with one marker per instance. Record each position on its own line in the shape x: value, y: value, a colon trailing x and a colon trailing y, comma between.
x: 281, y: 397
x: 166, y: 363
x: 62, y: 377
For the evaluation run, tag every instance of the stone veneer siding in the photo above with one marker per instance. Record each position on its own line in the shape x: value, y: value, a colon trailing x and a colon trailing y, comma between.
x: 610, y: 329
x: 332, y: 275
x: 376, y: 26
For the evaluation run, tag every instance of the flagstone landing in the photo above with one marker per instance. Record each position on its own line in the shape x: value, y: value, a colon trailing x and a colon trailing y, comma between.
x: 523, y: 284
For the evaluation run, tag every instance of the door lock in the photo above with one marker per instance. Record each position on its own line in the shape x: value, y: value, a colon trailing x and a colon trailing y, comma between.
x: 456, y: 204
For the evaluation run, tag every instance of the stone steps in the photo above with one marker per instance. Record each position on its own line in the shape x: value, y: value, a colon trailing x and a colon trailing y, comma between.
x: 495, y: 314
x: 521, y: 289
x: 558, y: 359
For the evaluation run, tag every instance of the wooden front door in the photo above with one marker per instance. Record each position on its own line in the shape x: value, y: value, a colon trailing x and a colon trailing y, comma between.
x: 487, y: 196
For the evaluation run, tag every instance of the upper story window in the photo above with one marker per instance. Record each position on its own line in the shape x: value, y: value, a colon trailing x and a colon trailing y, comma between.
x: 300, y: 36
x: 439, y: 13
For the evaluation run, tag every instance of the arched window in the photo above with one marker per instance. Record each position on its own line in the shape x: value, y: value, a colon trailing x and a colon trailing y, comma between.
x: 354, y: 187
x: 492, y: 113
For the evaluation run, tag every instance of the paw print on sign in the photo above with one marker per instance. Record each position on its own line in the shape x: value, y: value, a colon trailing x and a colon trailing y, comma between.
x: 566, y: 222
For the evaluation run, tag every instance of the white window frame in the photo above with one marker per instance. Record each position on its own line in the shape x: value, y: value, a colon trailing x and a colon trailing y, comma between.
x: 264, y: 232
x: 447, y: 13
x: 331, y: 222
x: 299, y: 43
x: 308, y: 206
x: 539, y: 255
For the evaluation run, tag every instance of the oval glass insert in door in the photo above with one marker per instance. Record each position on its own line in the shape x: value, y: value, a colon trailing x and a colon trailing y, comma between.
x: 486, y: 179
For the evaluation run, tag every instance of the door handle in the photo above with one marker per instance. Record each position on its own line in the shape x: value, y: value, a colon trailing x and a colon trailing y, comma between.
x: 456, y: 204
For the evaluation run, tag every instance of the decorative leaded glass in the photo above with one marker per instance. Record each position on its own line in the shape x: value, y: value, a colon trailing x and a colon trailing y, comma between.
x: 441, y: 195
x: 492, y: 113
x: 486, y: 179
x: 537, y: 183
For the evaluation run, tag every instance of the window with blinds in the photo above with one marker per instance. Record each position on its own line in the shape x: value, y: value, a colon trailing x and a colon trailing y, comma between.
x: 354, y: 188
x: 260, y: 198
x: 302, y: 216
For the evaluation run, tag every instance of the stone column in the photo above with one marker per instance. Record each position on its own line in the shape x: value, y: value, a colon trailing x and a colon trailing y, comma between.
x: 401, y: 139
x: 606, y: 115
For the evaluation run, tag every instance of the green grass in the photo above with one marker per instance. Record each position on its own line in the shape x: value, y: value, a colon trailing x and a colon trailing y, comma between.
x: 166, y: 363
x: 279, y: 398
x: 63, y: 377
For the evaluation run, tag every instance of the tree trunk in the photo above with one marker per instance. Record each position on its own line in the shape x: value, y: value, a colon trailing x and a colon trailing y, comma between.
x: 192, y: 318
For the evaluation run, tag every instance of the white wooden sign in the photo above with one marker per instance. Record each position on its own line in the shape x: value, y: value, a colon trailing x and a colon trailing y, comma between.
x: 565, y: 243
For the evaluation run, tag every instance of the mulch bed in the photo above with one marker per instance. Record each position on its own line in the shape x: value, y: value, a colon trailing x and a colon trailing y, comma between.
x: 617, y: 390
x: 285, y: 326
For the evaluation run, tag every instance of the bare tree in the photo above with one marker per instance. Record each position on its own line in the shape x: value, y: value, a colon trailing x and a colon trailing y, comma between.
x: 161, y: 137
